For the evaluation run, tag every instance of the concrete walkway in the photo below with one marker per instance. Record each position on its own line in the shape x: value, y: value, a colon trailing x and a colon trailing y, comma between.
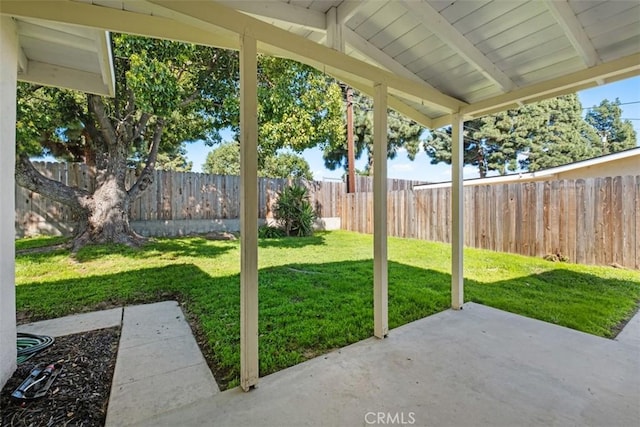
x: 159, y: 367
x: 74, y: 324
x: 476, y: 367
x: 631, y: 332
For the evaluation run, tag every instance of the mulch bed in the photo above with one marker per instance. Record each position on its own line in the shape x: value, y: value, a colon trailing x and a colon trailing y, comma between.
x: 79, y: 395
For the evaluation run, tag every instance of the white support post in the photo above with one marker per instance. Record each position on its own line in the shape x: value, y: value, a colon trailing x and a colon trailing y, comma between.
x: 9, y: 55
x: 380, y: 272
x: 248, y: 213
x: 457, y: 208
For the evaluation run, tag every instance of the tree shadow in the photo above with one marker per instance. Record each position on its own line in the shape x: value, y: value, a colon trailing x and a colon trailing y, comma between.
x: 317, y: 239
x: 169, y: 248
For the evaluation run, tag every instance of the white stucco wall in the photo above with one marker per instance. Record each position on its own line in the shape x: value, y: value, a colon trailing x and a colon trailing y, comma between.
x: 8, y: 72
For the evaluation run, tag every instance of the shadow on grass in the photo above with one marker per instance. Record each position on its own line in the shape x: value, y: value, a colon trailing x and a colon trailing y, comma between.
x: 168, y: 248
x: 293, y: 242
x: 310, y: 309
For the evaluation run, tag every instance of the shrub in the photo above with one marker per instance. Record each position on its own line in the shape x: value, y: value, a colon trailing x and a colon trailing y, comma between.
x: 294, y: 211
x: 270, y: 232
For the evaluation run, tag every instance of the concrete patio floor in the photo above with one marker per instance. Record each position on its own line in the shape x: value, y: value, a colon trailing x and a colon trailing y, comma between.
x: 475, y: 367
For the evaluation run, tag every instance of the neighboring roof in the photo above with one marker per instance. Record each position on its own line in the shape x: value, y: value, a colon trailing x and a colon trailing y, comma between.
x: 541, y: 175
x: 66, y: 56
x: 437, y: 57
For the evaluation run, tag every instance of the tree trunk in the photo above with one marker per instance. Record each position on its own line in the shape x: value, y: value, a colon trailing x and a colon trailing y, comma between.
x: 103, y: 217
x: 108, y: 220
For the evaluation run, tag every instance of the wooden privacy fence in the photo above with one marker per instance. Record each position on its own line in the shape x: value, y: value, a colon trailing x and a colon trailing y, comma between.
x: 174, y: 196
x: 591, y: 221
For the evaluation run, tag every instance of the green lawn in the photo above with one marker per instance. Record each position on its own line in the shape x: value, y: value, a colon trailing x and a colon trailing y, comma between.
x: 316, y: 292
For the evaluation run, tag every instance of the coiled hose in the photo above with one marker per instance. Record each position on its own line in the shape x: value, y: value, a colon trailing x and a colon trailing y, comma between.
x: 30, y: 344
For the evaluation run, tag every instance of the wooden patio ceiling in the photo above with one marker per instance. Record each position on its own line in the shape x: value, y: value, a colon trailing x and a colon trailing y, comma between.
x: 437, y: 57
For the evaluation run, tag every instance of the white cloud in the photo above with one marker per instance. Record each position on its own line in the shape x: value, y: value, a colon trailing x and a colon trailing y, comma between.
x: 402, y: 167
x: 468, y: 172
x: 403, y: 151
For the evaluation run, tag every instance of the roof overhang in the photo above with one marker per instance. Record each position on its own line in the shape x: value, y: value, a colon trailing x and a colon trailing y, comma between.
x: 62, y: 55
x: 473, y: 70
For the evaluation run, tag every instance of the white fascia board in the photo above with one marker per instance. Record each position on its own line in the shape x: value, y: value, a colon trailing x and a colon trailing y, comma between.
x: 128, y: 21
x: 51, y: 75
x: 105, y: 57
x: 610, y: 71
x: 507, y: 179
x: 546, y: 174
x: 296, y: 15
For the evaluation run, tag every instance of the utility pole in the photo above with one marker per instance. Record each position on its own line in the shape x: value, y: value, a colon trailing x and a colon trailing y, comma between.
x: 351, y: 156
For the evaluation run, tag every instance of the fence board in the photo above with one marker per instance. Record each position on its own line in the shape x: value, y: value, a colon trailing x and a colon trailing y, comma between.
x: 628, y: 221
x: 590, y: 221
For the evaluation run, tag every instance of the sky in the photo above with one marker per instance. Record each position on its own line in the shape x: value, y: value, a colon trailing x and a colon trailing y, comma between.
x: 421, y: 169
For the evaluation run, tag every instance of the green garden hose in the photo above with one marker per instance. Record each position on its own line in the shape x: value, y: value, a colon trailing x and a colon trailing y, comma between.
x: 30, y: 344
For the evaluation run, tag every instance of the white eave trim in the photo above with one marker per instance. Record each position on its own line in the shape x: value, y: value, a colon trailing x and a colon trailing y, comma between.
x: 546, y: 174
x: 105, y: 57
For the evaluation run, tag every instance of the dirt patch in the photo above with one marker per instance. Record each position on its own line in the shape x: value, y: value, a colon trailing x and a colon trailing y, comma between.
x: 79, y: 395
x: 220, y: 235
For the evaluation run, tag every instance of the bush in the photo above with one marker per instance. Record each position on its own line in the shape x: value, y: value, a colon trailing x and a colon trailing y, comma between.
x: 270, y: 232
x: 294, y: 211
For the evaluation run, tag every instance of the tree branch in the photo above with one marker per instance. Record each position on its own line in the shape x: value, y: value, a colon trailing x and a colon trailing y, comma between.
x: 188, y: 100
x: 141, y: 126
x: 146, y: 177
x: 96, y: 106
x: 27, y: 176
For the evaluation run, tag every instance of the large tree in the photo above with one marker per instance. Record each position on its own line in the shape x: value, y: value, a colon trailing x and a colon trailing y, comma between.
x: 491, y: 143
x: 536, y: 136
x: 167, y: 93
x: 225, y: 160
x: 614, y: 133
x: 557, y: 133
x: 403, y: 134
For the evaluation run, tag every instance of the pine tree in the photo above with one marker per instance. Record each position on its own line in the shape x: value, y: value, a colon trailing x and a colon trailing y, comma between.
x: 614, y: 133
x: 535, y: 136
x: 402, y: 133
x: 557, y: 133
x: 491, y: 143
